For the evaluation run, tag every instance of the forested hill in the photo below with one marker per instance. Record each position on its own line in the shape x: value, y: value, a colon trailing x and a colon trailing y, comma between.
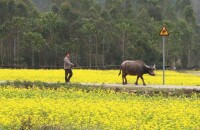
x: 98, y: 32
x: 43, y: 5
x: 196, y: 7
x: 46, y: 5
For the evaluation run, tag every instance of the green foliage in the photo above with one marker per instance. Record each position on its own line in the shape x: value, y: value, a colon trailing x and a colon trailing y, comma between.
x: 98, y: 32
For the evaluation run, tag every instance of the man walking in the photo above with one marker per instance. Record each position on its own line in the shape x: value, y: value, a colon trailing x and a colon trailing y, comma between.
x: 68, y: 67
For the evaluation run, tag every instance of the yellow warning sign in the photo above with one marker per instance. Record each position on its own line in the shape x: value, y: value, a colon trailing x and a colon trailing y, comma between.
x: 164, y: 31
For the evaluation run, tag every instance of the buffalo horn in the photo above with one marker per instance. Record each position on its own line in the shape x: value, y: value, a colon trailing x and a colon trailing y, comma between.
x: 146, y: 66
x: 154, y: 66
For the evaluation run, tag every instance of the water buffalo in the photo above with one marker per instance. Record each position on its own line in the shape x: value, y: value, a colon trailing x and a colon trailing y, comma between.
x: 135, y: 67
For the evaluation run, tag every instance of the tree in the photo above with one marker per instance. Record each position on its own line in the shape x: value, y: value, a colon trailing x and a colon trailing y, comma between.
x: 124, y: 28
x: 189, y: 15
x: 3, y: 11
x: 88, y: 29
x: 21, y: 10
x: 97, y: 32
x: 34, y: 42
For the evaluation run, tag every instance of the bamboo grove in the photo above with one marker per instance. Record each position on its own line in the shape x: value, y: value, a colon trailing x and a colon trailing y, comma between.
x: 97, y: 32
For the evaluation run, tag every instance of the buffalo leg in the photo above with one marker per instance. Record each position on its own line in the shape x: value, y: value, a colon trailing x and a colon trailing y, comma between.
x: 142, y: 80
x: 136, y: 82
x: 124, y: 80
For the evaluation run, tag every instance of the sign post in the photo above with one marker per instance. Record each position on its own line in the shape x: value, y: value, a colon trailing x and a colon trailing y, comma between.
x: 164, y: 33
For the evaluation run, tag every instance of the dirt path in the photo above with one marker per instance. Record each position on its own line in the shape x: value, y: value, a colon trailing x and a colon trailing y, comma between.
x: 137, y: 86
x: 147, y: 86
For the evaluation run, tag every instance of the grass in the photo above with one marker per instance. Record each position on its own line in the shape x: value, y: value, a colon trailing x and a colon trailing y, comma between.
x: 136, y: 90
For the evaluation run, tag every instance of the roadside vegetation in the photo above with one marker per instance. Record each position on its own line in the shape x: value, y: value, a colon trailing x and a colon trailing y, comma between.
x: 97, y: 76
x: 75, y: 107
x: 39, y: 99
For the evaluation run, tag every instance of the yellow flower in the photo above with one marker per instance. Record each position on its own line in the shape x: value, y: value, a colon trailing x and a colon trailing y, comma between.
x: 96, y: 76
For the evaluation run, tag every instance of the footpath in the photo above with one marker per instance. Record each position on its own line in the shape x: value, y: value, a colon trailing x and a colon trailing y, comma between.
x: 135, y: 86
x: 141, y: 86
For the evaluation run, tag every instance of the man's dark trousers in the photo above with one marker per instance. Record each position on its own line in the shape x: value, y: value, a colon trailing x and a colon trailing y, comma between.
x: 68, y: 72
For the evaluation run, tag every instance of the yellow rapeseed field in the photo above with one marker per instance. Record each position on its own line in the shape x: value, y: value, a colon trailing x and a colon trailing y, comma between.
x: 96, y: 76
x: 71, y: 108
x: 97, y: 109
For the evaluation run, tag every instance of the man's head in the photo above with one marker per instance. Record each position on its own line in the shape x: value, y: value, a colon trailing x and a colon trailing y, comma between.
x: 67, y: 54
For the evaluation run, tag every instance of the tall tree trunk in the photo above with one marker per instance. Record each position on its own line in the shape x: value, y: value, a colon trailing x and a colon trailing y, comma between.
x: 32, y: 58
x: 55, y: 59
x: 1, y: 53
x: 90, y: 55
x: 45, y: 56
x: 103, y: 58
x: 123, y: 45
x: 10, y: 56
x: 17, y: 49
x: 198, y: 59
x: 189, y: 58
x: 14, y: 53
x: 96, y: 59
x: 39, y: 59
x: 167, y: 57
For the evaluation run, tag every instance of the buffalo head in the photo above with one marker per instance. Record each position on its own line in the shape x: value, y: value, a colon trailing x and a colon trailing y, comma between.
x: 150, y: 70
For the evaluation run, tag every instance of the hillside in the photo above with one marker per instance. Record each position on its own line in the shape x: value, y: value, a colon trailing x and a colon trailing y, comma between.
x: 42, y: 5
x: 98, y: 33
x: 45, y: 5
x: 196, y: 7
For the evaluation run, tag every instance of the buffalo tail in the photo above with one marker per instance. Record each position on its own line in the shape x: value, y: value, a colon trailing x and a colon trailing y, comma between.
x: 119, y: 72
